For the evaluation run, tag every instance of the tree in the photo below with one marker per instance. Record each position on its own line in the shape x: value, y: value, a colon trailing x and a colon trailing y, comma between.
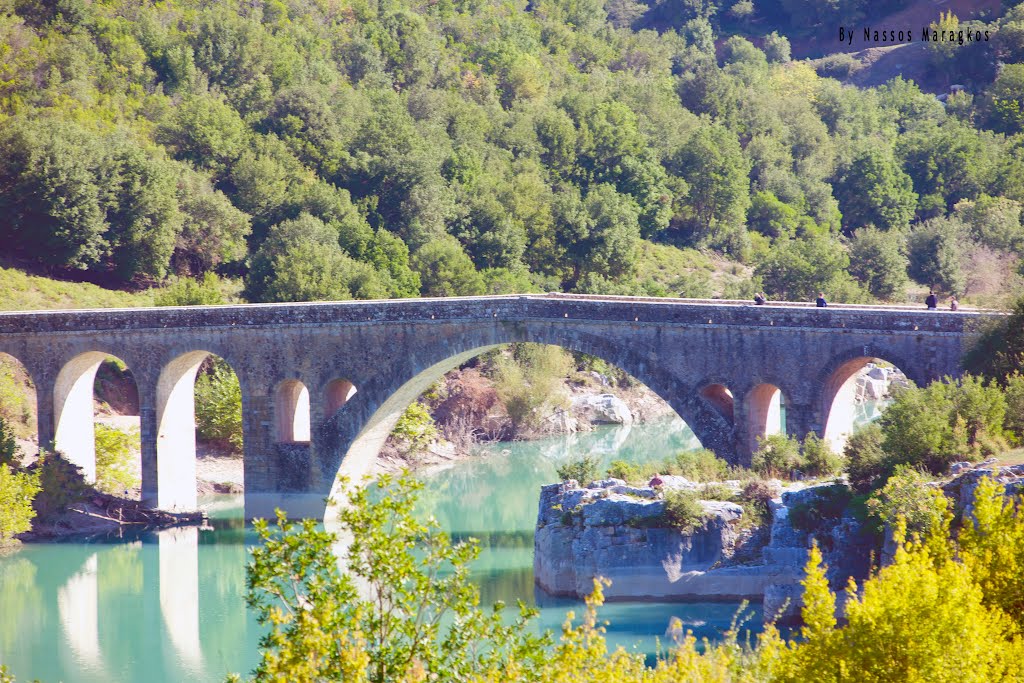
x: 873, y: 190
x: 877, y: 261
x: 776, y: 47
x: 446, y: 270
x: 191, y: 292
x: 934, y: 251
x: 715, y: 170
x: 1004, y: 102
x: 213, y: 231
x: 219, y: 405
x: 795, y: 269
x: 402, y: 607
x: 993, y: 221
x: 17, y: 492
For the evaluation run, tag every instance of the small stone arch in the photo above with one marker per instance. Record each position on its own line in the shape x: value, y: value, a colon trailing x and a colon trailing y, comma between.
x: 837, y: 391
x: 291, y: 412
x: 74, y: 418
x: 176, y: 432
x: 719, y: 397
x: 336, y: 394
x: 764, y: 404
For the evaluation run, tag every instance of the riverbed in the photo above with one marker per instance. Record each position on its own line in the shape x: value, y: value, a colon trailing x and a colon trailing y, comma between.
x: 169, y: 606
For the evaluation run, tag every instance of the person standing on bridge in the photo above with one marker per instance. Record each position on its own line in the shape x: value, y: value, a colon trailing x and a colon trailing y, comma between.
x: 821, y: 303
x: 953, y: 303
x: 932, y: 301
x: 760, y: 299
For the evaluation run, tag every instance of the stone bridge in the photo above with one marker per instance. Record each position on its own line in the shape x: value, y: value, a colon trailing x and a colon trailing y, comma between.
x: 323, y: 384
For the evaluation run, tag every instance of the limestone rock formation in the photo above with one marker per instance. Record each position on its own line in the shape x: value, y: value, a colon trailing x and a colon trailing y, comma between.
x: 602, y: 409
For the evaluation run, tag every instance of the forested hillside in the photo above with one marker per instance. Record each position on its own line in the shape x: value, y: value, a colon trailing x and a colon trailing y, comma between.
x: 330, y: 149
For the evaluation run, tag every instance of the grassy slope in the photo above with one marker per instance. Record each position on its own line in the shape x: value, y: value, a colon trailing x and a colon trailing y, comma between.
x: 21, y: 292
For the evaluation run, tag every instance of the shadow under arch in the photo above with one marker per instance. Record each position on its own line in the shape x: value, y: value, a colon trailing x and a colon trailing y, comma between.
x: 176, y: 432
x: 370, y: 415
x: 764, y: 404
x: 837, y: 390
x: 74, y: 416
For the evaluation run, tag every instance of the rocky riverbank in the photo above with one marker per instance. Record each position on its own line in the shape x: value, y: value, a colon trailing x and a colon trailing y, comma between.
x: 620, y: 532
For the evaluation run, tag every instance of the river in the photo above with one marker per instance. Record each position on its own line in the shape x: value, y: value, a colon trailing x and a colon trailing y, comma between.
x: 169, y: 606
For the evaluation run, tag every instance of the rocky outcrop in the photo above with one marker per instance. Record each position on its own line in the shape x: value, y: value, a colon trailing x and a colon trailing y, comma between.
x: 875, y: 383
x: 619, y: 532
x: 602, y: 409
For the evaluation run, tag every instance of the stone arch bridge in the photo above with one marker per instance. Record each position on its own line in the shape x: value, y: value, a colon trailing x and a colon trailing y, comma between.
x: 324, y: 383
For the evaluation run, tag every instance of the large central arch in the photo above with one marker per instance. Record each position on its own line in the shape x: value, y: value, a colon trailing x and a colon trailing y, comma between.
x: 371, y: 414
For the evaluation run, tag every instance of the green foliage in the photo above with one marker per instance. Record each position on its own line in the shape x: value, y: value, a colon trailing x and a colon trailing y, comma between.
x: 818, y: 459
x: 60, y: 484
x: 826, y: 506
x: 907, y: 497
x: 446, y: 270
x: 935, y: 252
x: 418, y: 617
x: 873, y: 190
x: 218, y: 397
x: 17, y: 492
x: 877, y: 261
x: 683, y: 509
x: 699, y: 465
x: 115, y: 452
x: 529, y: 382
x: 795, y: 270
x: 935, y: 426
x: 991, y: 545
x: 777, y: 455
x: 998, y: 350
x: 626, y: 471
x: 9, y: 454
x: 191, y: 292
x: 866, y: 462
x: 583, y: 470
x: 416, y: 426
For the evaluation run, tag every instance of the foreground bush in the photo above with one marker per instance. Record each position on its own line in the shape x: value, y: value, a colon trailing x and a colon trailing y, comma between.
x: 17, y: 491
x: 401, y: 608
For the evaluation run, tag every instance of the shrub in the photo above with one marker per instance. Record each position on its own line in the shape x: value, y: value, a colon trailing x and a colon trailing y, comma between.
x: 702, y: 465
x: 8, y: 446
x: 818, y: 459
x: 716, y: 491
x: 583, y: 469
x: 865, y: 459
x: 191, y: 292
x: 219, y: 405
x: 529, y: 382
x: 115, y: 452
x: 683, y: 509
x: 416, y: 426
x: 827, y: 505
x: 777, y: 455
x: 61, y: 484
x: 756, y: 497
x: 626, y: 471
x: 905, y: 496
x: 17, y: 492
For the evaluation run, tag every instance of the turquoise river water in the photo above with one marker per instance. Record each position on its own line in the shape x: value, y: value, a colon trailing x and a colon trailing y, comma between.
x: 169, y: 606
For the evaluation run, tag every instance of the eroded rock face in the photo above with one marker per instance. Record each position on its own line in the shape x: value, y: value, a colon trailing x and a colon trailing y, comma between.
x: 618, y: 532
x: 602, y: 409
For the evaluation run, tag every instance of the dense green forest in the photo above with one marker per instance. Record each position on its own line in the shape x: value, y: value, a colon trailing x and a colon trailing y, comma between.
x: 331, y: 149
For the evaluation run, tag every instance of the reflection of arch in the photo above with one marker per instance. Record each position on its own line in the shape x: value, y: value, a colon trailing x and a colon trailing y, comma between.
x: 354, y: 436
x: 78, y: 607
x: 24, y: 413
x: 764, y: 413
x: 721, y: 399
x: 176, y: 432
x: 338, y: 392
x: 838, y: 399
x: 291, y: 411
x: 75, y: 433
